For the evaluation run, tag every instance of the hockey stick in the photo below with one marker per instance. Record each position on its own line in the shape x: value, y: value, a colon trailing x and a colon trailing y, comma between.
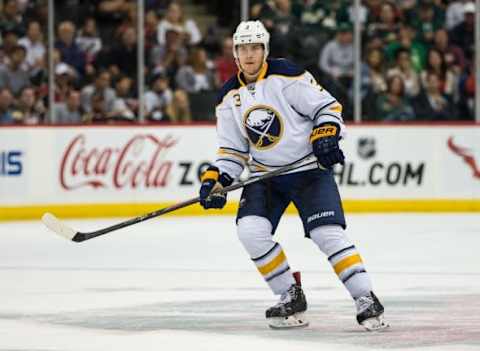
x: 57, y: 226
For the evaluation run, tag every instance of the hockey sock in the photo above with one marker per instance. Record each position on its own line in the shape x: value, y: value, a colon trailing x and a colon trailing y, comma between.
x: 344, y: 258
x: 255, y: 234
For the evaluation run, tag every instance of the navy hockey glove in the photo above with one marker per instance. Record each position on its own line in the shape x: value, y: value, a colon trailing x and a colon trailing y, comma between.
x: 213, y: 181
x: 324, y: 139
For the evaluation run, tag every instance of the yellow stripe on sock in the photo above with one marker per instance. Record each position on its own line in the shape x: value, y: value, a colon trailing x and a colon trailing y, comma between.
x: 347, y: 262
x: 277, y: 261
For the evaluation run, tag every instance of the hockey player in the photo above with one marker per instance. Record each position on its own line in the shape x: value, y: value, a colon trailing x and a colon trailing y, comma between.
x: 271, y: 114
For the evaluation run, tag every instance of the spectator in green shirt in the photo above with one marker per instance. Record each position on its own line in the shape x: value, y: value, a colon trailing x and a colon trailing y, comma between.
x: 426, y: 21
x: 406, y: 40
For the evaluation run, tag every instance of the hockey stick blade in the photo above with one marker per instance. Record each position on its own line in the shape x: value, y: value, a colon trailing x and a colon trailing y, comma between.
x: 57, y: 226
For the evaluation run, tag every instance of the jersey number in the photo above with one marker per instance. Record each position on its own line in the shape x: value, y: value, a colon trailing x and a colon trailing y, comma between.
x: 236, y: 98
x: 316, y: 85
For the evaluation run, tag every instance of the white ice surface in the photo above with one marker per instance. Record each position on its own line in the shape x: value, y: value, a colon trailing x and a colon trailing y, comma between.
x: 186, y: 284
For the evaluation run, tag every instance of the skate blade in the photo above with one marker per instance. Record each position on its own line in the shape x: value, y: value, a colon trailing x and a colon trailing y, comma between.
x: 296, y: 320
x: 375, y: 323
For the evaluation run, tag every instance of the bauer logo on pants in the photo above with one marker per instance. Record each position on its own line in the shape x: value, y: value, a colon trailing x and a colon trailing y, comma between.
x: 320, y: 215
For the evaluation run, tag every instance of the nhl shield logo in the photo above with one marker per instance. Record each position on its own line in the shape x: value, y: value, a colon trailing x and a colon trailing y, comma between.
x: 264, y: 126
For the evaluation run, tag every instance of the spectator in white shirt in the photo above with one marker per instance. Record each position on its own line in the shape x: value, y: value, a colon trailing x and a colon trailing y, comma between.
x: 455, y: 13
x: 404, y: 69
x: 336, y: 58
x: 158, y: 99
x: 175, y: 18
x: 34, y: 45
x: 124, y: 104
x: 89, y: 40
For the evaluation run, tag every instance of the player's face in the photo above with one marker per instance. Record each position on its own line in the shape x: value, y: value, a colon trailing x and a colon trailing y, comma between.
x: 250, y: 58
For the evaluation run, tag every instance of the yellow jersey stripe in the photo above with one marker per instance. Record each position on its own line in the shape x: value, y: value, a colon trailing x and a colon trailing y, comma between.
x: 346, y: 263
x: 336, y: 108
x: 276, y: 262
x: 239, y: 77
x: 232, y: 153
x: 263, y: 72
x: 258, y: 168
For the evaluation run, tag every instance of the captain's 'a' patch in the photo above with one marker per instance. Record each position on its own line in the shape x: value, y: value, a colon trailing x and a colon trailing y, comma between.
x: 264, y: 126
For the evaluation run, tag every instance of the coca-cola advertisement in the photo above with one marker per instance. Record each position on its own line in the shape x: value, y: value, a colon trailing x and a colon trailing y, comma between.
x: 141, y: 161
x: 131, y: 164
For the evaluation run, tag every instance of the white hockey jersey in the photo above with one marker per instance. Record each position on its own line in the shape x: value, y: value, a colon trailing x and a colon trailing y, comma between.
x: 267, y: 124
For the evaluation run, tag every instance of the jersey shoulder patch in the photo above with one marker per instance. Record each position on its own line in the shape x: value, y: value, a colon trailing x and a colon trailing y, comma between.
x: 229, y: 85
x: 283, y: 67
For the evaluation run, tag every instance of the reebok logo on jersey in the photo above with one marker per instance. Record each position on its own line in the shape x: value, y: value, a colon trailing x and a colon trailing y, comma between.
x: 320, y: 215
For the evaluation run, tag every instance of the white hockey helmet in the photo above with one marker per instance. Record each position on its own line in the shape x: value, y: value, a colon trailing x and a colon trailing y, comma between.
x: 251, y: 32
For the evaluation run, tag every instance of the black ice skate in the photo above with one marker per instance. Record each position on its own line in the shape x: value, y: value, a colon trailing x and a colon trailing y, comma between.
x: 289, y: 311
x: 370, y: 312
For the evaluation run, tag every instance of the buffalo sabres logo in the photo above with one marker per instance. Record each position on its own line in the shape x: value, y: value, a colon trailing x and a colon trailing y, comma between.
x: 264, y: 126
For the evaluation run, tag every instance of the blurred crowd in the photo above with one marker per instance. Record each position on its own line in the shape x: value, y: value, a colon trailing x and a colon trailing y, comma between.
x: 417, y: 57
